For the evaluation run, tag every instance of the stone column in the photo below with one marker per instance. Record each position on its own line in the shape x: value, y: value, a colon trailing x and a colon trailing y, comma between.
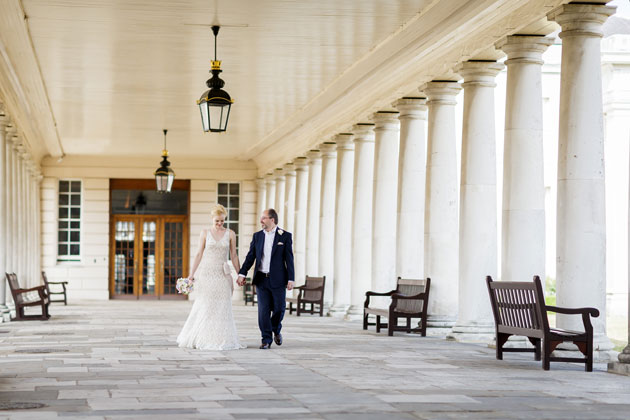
x: 385, y: 202
x: 15, y: 201
x: 441, y: 243
x: 10, y: 198
x: 523, y: 213
x: 280, y: 198
x: 581, y: 224
x: 478, y: 204
x: 327, y: 220
x: 301, y: 204
x: 362, y: 197
x: 312, y: 215
x: 271, y: 191
x: 4, y: 121
x: 261, y: 203
x: 411, y: 187
x: 289, y: 197
x: 623, y: 365
x: 343, y: 225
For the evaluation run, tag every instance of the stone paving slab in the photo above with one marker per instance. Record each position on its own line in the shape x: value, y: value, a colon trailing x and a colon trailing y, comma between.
x: 119, y: 360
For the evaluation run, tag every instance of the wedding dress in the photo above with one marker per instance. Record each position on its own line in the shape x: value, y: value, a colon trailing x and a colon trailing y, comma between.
x: 210, y: 324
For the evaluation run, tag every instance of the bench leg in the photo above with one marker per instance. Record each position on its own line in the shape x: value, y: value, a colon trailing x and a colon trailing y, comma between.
x: 392, y: 323
x: 546, y: 354
x: 321, y: 309
x: 589, y: 355
x: 290, y: 308
x: 501, y: 340
x: 408, y: 325
x: 365, y: 320
x: 536, y: 343
x: 378, y: 323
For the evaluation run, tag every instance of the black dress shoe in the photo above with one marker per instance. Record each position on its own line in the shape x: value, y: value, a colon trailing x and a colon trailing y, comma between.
x: 265, y: 346
x: 278, y: 339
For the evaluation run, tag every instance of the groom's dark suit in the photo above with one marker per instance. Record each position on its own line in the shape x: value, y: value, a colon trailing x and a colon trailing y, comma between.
x: 270, y: 287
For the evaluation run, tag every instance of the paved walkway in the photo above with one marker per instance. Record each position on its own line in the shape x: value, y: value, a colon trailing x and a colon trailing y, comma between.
x: 118, y: 359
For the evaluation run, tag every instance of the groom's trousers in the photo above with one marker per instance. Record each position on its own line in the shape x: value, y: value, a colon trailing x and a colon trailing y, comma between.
x: 269, y: 300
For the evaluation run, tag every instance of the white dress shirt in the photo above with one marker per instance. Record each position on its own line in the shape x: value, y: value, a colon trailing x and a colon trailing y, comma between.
x: 266, y: 257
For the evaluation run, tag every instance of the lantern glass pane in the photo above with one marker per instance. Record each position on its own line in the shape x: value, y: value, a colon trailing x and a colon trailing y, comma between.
x: 205, y: 117
x: 169, y: 183
x: 216, y: 117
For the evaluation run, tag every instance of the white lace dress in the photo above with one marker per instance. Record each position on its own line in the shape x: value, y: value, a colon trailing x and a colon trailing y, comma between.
x: 210, y: 324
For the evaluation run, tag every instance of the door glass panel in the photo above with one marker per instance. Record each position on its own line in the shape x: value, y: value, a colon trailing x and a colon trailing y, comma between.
x: 173, y: 255
x: 124, y: 238
x: 148, y: 258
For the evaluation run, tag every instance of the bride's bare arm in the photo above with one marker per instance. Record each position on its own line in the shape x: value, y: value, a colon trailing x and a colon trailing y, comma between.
x: 199, y: 254
x: 233, y: 253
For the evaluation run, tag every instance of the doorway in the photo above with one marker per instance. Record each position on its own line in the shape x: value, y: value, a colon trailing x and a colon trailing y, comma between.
x: 149, y: 252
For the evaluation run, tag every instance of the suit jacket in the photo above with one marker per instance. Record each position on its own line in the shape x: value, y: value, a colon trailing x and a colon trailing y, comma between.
x: 281, y: 265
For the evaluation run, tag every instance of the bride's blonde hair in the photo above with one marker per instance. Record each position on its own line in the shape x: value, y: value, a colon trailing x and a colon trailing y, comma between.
x: 218, y: 210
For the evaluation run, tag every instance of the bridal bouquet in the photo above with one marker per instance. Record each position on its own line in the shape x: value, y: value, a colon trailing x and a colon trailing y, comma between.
x: 184, y: 285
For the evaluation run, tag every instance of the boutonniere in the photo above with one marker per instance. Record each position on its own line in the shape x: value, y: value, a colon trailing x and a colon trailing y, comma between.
x: 280, y: 232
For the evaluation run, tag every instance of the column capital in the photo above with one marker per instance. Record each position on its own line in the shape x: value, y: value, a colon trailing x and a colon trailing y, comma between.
x: 328, y: 149
x: 301, y: 164
x: 344, y: 141
x: 314, y: 157
x: 289, y: 169
x: 5, y: 120
x: 386, y: 120
x: 270, y: 178
x: 260, y: 182
x: 363, y: 132
x: 412, y: 107
x: 480, y: 73
x: 524, y: 48
x: 581, y: 19
x: 442, y: 91
x: 278, y: 174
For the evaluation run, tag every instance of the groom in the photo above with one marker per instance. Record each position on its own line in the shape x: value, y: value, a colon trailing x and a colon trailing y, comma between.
x: 272, y: 248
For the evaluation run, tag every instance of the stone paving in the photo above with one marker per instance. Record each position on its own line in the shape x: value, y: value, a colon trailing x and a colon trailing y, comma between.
x: 119, y: 360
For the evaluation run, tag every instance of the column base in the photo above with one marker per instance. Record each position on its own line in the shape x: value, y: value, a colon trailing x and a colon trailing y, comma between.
x: 354, y: 313
x: 5, y: 313
x: 439, y: 325
x: 339, y: 311
x: 472, y: 333
x: 621, y: 367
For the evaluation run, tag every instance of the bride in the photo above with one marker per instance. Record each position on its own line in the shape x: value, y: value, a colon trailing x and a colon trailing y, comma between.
x: 210, y: 324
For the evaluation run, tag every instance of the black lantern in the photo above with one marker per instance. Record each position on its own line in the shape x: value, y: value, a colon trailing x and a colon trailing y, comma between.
x: 164, y: 175
x: 215, y: 103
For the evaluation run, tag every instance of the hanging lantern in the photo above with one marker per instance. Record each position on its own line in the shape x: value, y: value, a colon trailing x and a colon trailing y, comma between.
x: 215, y: 104
x: 164, y: 175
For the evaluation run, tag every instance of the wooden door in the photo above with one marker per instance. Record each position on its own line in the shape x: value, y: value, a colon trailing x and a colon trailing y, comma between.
x: 148, y: 254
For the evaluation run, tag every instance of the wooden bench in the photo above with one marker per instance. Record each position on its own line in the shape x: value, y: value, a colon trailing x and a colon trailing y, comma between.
x: 519, y: 309
x: 409, y: 300
x: 22, y: 299
x: 312, y: 292
x: 249, y: 292
x: 50, y: 293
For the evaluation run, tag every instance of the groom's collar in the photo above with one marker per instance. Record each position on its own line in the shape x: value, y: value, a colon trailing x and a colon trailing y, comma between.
x: 274, y: 230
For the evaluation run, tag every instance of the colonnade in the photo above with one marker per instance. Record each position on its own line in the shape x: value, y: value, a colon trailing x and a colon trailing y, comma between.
x: 384, y: 200
x: 20, y: 234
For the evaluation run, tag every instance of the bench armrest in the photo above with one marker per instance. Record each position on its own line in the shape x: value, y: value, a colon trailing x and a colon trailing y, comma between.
x: 585, y: 312
x: 368, y: 294
x: 573, y: 311
x: 32, y: 289
x: 57, y: 282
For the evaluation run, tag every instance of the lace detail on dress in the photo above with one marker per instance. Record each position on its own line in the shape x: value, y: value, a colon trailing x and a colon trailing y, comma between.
x: 210, y: 324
